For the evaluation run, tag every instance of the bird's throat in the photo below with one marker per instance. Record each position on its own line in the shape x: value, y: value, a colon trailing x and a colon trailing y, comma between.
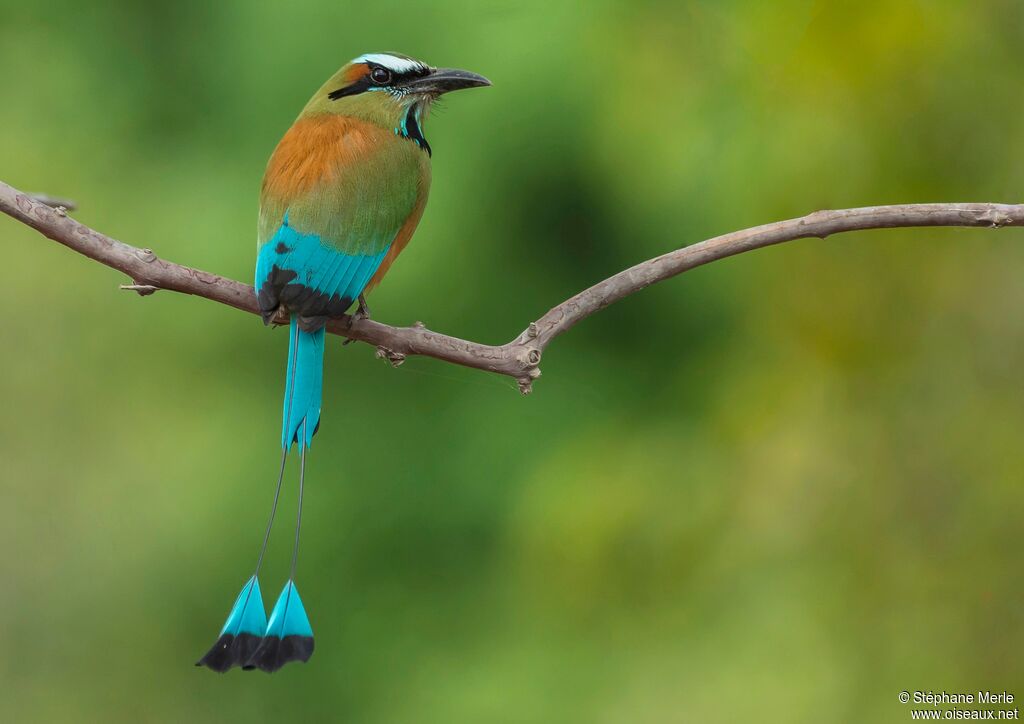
x: 411, y: 127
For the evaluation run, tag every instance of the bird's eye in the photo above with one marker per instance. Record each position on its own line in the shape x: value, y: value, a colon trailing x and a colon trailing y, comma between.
x: 380, y: 76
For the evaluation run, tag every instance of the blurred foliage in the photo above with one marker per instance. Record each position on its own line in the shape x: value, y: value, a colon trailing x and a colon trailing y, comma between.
x: 780, y: 488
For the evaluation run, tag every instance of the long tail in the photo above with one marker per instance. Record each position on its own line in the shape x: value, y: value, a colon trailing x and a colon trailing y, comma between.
x: 304, y: 387
x: 247, y: 639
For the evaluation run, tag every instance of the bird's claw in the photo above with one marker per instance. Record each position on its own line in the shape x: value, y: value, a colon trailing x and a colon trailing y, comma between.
x: 280, y: 317
x: 362, y: 311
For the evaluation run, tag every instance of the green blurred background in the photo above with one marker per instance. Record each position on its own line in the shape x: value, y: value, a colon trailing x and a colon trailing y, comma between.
x: 783, y: 487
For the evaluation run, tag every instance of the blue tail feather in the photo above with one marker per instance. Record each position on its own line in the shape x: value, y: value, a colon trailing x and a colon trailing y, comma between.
x: 303, y: 386
x: 288, y: 636
x: 289, y: 615
x: 242, y: 633
x: 247, y: 615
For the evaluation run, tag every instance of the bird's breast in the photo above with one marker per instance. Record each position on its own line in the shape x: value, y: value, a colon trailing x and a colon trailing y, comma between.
x: 347, y: 180
x: 327, y: 150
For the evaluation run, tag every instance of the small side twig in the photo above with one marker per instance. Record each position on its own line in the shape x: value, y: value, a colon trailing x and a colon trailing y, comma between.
x: 55, y: 202
x: 144, y: 290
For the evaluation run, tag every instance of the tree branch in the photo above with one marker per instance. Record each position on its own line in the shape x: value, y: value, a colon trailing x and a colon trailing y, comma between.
x: 521, y: 357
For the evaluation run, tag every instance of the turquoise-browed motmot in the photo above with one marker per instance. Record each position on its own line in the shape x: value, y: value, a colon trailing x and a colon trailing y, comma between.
x: 341, y: 197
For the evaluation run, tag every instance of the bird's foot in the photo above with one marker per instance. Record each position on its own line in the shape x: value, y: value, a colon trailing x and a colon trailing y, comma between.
x: 362, y: 312
x: 278, y: 318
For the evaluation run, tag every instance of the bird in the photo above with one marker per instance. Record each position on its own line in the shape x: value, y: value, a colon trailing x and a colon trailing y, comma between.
x: 342, y: 194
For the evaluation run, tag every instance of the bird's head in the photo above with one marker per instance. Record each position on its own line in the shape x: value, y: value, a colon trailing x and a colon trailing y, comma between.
x: 390, y: 90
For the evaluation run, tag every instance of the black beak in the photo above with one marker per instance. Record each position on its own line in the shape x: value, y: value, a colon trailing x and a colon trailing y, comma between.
x: 445, y: 80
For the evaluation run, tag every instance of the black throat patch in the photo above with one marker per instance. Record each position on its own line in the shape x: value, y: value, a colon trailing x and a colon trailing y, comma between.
x: 411, y: 130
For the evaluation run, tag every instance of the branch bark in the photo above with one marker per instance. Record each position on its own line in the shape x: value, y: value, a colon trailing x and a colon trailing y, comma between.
x: 520, y: 358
